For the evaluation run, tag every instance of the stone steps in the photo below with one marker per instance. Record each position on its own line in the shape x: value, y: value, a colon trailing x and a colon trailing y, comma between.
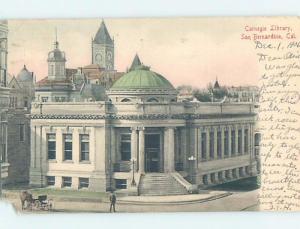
x: 153, y: 184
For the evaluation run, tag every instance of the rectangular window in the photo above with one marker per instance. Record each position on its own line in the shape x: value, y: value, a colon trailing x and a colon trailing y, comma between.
x: 44, y: 99
x: 84, y: 147
x: 67, y: 146
x: 203, y: 146
x: 232, y: 142
x: 25, y: 102
x: 219, y: 147
x: 211, y: 145
x: 83, y: 182
x: 67, y: 181
x: 22, y: 132
x: 226, y: 143
x: 51, y: 139
x: 239, y: 141
x: 50, y: 180
x: 246, y: 143
x: 121, y: 183
x: 125, y: 147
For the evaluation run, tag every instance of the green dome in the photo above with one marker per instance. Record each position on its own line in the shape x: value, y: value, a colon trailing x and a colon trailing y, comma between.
x: 142, y: 78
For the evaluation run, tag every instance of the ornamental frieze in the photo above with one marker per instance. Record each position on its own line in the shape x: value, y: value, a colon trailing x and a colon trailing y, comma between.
x: 137, y: 117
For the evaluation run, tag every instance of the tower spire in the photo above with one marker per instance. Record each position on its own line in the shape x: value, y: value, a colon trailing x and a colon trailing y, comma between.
x: 56, y: 42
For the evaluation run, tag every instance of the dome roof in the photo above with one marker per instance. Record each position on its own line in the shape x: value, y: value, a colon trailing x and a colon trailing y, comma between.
x: 56, y: 54
x: 25, y: 75
x: 142, y: 78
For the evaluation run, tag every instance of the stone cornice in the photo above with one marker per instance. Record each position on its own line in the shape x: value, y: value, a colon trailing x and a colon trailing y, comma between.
x: 138, y: 117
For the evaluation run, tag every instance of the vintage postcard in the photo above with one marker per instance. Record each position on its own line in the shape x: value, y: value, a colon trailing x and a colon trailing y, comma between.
x: 150, y: 114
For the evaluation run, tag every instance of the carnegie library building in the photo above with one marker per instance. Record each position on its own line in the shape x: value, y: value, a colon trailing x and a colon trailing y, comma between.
x: 138, y: 137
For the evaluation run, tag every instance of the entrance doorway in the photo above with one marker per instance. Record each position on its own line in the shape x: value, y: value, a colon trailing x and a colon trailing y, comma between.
x: 152, y: 153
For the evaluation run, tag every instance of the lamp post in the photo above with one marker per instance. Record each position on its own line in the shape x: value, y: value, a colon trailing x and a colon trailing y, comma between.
x: 192, y: 160
x: 133, y: 183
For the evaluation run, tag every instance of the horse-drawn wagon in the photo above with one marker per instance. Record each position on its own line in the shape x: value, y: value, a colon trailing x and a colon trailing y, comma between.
x: 30, y: 203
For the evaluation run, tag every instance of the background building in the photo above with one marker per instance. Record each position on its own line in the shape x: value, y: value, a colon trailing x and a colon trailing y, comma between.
x: 4, y: 100
x: 18, y: 143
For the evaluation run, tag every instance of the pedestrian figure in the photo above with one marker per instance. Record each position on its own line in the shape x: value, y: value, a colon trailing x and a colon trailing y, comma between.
x: 113, y: 200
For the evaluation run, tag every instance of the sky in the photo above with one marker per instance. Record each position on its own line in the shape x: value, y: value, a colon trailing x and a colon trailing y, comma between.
x: 190, y: 51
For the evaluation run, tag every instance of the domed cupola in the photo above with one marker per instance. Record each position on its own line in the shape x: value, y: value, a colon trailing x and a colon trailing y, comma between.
x: 56, y: 63
x: 142, y: 85
x: 25, y: 75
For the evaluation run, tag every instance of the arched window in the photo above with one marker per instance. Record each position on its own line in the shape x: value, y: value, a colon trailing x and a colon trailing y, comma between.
x: 152, y: 100
x: 126, y: 100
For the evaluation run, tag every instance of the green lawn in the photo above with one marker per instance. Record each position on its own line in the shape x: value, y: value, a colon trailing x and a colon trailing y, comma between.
x: 58, y: 193
x: 68, y: 193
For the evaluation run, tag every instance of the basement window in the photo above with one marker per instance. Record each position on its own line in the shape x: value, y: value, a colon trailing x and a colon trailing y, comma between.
x: 121, y: 183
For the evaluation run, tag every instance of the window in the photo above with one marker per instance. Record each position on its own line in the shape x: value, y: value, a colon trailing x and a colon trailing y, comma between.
x: 68, y: 146
x: 44, y: 99
x: 67, y: 181
x: 51, y: 146
x: 152, y: 100
x: 125, y: 100
x: 22, y: 132
x: 257, y: 138
x: 246, y: 143
x: 233, y: 142
x: 83, y: 182
x: 226, y: 143
x: 121, y: 183
x: 84, y: 147
x: 125, y: 147
x: 50, y: 180
x: 219, y: 147
x: 25, y: 102
x: 239, y: 141
x: 211, y: 144
x: 203, y: 146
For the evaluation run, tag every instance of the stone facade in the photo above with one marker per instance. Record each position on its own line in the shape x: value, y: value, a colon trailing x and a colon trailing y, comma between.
x: 199, y: 144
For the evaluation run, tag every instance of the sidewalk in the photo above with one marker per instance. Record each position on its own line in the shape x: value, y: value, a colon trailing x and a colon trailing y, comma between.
x: 176, y: 199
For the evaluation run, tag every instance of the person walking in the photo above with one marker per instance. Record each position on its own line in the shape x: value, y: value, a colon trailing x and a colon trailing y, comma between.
x: 113, y: 200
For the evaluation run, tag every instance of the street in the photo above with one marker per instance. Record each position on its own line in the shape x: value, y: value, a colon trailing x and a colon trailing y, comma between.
x: 238, y: 201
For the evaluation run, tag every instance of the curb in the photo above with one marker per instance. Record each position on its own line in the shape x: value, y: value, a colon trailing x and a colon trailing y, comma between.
x: 175, y: 202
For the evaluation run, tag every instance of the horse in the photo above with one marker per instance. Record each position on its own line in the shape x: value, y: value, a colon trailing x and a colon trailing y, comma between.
x: 25, y: 196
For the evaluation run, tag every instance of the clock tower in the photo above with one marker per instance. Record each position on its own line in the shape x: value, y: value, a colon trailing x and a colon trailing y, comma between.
x: 103, y: 48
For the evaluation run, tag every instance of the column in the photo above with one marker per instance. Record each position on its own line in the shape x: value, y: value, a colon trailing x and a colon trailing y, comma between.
x: 75, y: 183
x: 169, y: 149
x: 215, y: 143
x: 134, y: 146
x: 76, y: 141
x: 207, y: 144
x: 33, y: 147
x: 199, y: 145
x: 229, y: 141
x: 58, y: 182
x: 249, y: 138
x: 243, y: 140
x: 221, y: 178
x: 141, y: 150
x: 230, y: 176
x: 59, y: 145
x: 236, y: 139
x: 222, y: 142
